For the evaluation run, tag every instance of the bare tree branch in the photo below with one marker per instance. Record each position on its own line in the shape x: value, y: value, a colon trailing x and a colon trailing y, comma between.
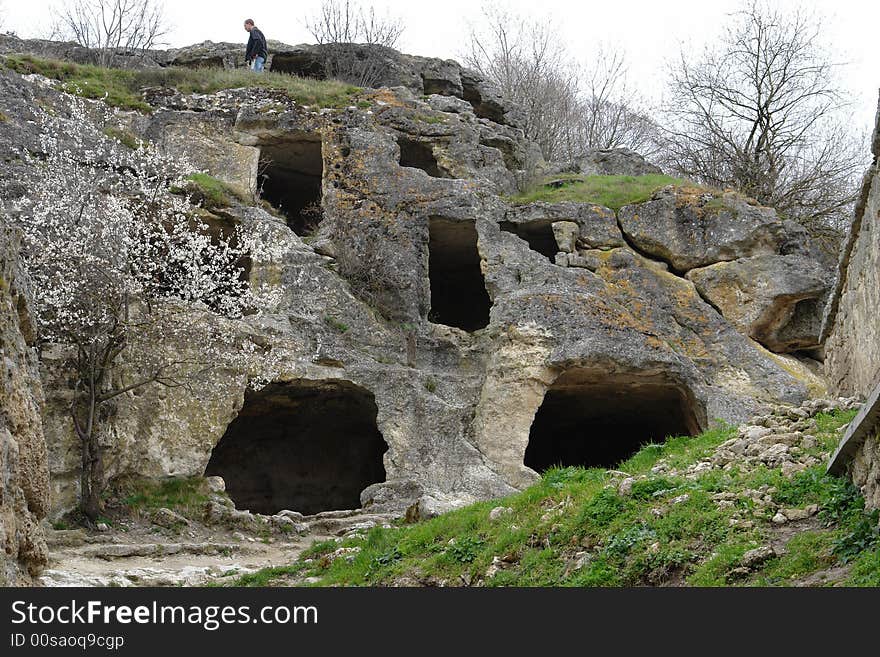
x: 760, y: 112
x: 569, y: 109
x: 340, y: 24
x: 111, y: 26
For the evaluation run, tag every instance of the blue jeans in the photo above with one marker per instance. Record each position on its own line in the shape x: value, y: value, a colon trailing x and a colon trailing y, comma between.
x: 257, y: 64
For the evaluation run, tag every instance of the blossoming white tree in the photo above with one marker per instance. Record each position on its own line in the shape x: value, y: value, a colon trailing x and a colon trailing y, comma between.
x: 128, y: 276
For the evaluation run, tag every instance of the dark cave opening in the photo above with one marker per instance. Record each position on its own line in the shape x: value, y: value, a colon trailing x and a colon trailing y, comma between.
x: 596, y: 419
x: 458, y: 291
x: 290, y: 179
x: 419, y: 155
x: 539, y: 235
x: 307, y: 446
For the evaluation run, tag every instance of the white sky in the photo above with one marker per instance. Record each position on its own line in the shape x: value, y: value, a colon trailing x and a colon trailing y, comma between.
x: 650, y: 32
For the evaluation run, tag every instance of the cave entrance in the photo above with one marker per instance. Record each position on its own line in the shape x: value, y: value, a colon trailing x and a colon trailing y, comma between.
x: 458, y: 292
x: 539, y: 235
x: 290, y: 179
x: 419, y: 155
x: 308, y: 446
x: 592, y: 418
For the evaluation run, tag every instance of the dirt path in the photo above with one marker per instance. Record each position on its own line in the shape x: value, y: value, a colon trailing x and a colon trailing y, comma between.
x: 140, y: 555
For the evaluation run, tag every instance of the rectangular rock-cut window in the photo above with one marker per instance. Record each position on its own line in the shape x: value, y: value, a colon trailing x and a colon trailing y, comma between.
x: 458, y: 291
x: 290, y: 178
x: 539, y: 235
x: 419, y: 155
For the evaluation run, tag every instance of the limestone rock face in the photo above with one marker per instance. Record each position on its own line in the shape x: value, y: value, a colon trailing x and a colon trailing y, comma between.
x: 24, y: 475
x: 771, y: 298
x: 614, y: 162
x: 597, y: 225
x: 852, y: 348
x: 690, y: 228
x: 446, y: 307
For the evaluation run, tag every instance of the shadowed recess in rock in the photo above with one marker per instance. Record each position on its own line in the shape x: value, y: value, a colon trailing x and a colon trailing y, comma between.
x: 458, y: 292
x: 539, y: 235
x: 307, y: 446
x: 419, y: 155
x: 290, y: 177
x: 596, y: 419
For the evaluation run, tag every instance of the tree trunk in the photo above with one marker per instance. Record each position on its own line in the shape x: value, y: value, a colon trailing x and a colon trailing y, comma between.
x: 92, y: 462
x: 92, y: 478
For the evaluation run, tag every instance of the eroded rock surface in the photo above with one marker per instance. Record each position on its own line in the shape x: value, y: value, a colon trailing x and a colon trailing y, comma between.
x: 691, y: 227
x: 24, y: 475
x: 406, y: 273
x: 775, y: 299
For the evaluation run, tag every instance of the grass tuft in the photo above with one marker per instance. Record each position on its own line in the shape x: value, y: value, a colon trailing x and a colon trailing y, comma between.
x: 122, y: 87
x: 610, y: 191
x: 187, y: 494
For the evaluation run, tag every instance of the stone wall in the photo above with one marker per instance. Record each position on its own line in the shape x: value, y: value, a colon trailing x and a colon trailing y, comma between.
x: 852, y: 360
x: 24, y: 476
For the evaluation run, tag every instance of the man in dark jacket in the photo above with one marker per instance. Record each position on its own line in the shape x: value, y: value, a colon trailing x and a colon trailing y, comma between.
x: 257, y: 49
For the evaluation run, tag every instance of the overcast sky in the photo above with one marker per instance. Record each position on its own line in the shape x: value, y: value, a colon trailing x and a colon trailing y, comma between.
x: 650, y: 32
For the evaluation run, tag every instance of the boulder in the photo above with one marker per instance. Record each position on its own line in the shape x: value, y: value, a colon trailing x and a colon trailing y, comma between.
x: 774, y: 299
x: 612, y: 162
x: 693, y: 227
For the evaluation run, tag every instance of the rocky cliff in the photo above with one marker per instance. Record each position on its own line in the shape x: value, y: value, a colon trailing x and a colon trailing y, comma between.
x: 443, y: 340
x: 24, y: 475
x: 853, y: 348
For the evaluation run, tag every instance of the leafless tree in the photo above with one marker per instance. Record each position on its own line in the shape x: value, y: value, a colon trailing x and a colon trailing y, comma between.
x: 110, y: 26
x: 568, y: 109
x: 345, y: 26
x: 760, y: 112
x: 610, y: 113
x: 344, y: 21
x: 531, y: 69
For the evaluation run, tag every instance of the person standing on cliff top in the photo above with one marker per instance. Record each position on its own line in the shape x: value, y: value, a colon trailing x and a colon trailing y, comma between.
x: 257, y: 49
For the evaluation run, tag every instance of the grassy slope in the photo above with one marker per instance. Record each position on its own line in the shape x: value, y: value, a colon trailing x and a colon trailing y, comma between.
x: 121, y: 87
x: 610, y: 191
x: 574, y: 529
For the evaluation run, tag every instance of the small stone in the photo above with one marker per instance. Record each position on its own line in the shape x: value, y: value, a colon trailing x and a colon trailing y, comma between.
x: 566, y: 234
x: 755, y: 433
x: 102, y: 527
x: 756, y: 557
x: 800, y: 514
x: 779, y: 519
x: 496, y: 565
x: 790, y: 467
x: 681, y: 498
x: 626, y: 486
x: 169, y: 519
x: 499, y: 511
x: 216, y: 484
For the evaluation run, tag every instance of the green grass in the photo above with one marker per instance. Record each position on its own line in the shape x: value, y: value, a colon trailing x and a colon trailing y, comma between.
x: 267, y: 575
x: 209, y: 191
x: 123, y: 137
x: 865, y: 570
x: 335, y: 324
x: 429, y: 118
x: 667, y: 530
x: 186, y: 494
x: 122, y: 87
x: 610, y: 191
